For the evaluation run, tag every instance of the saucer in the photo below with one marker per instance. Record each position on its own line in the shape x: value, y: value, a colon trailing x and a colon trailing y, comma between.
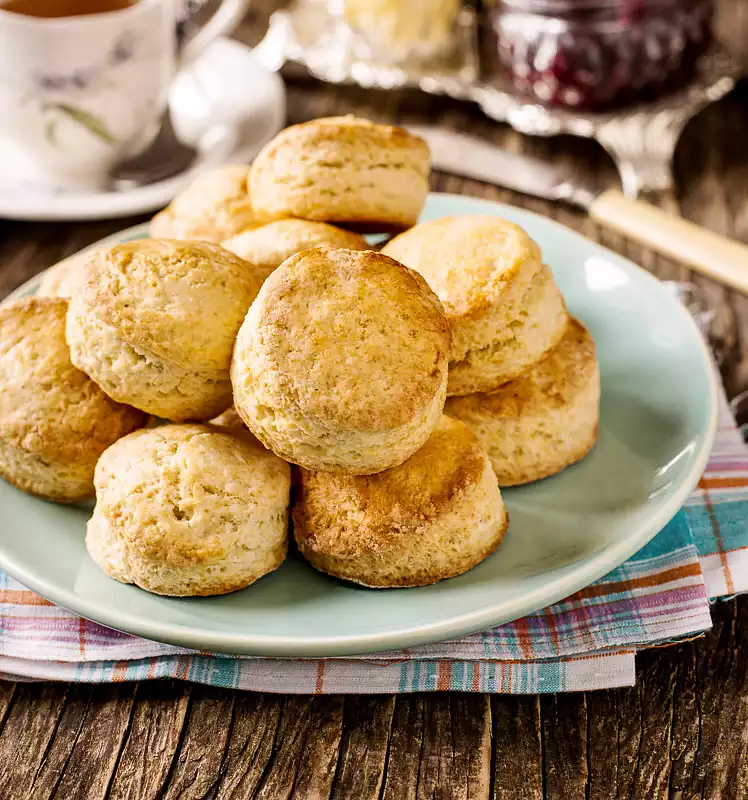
x: 226, y: 105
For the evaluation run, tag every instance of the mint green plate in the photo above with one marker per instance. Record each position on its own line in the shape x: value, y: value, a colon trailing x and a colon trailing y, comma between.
x: 658, y: 418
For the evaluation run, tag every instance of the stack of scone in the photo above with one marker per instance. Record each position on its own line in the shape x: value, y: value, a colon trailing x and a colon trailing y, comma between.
x: 260, y: 325
x: 523, y: 373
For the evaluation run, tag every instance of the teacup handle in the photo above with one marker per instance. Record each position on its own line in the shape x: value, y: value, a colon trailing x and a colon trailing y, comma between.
x: 229, y: 14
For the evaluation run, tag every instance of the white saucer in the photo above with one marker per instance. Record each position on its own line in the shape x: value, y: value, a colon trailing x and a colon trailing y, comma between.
x: 227, y: 105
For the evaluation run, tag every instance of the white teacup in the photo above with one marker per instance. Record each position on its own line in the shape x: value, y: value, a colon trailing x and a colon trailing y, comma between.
x: 78, y: 94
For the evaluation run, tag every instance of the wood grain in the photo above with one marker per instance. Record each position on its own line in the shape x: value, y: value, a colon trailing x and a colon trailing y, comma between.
x: 681, y: 733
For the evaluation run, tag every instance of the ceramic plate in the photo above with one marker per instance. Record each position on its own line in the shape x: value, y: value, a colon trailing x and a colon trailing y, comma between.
x: 658, y: 417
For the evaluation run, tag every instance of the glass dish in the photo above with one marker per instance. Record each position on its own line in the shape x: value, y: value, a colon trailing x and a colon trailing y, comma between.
x: 395, y: 32
x: 598, y: 53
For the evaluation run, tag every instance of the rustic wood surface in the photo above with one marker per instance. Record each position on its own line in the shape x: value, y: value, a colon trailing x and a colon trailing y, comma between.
x: 682, y: 732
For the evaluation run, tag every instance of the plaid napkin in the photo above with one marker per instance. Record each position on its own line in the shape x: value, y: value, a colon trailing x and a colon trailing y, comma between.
x: 588, y: 641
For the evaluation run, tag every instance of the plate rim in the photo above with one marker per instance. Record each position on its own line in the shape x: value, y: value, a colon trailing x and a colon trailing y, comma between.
x: 336, y: 646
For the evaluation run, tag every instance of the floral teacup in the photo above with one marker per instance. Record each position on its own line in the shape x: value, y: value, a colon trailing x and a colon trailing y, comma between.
x: 78, y: 94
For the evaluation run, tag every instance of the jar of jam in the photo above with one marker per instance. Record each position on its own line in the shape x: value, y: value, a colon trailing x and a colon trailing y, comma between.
x: 597, y: 53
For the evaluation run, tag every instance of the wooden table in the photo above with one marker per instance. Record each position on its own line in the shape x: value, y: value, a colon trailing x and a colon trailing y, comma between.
x: 682, y: 732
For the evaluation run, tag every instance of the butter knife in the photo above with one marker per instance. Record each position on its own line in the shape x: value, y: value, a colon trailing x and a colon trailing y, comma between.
x: 708, y: 253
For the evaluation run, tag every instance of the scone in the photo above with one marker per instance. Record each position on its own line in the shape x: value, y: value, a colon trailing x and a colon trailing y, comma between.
x: 269, y: 246
x: 504, y: 308
x: 365, y: 176
x: 189, y: 510
x: 341, y: 363
x: 154, y: 324
x: 230, y: 419
x: 214, y: 207
x: 544, y: 420
x: 433, y: 517
x: 61, y: 278
x: 54, y: 421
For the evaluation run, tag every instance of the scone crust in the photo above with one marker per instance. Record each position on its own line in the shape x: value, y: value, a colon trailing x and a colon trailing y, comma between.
x: 515, y: 343
x: 61, y: 278
x: 433, y: 517
x: 268, y: 246
x: 346, y: 170
x: 348, y: 515
x: 504, y: 308
x: 214, y: 207
x: 468, y: 261
x: 181, y: 301
x: 348, y: 337
x: 230, y: 419
x: 540, y: 423
x: 192, y: 509
x: 136, y: 376
x: 49, y: 409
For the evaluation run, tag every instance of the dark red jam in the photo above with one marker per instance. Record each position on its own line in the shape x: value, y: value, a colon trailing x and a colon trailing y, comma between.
x: 591, y: 53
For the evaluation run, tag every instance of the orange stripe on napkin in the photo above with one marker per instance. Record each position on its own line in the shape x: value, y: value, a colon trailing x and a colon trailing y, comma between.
x: 119, y: 672
x: 717, y: 482
x: 444, y: 676
x: 476, y: 677
x: 19, y: 597
x: 729, y: 584
x: 524, y: 639
x: 643, y: 582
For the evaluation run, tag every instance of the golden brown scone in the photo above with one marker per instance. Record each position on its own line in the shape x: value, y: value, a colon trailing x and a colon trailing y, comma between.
x: 504, y: 308
x: 155, y: 321
x: 365, y: 176
x: 269, y: 246
x: 54, y: 421
x: 341, y: 363
x: 433, y: 517
x: 189, y: 510
x: 60, y: 279
x: 214, y: 207
x: 543, y: 421
x: 230, y: 419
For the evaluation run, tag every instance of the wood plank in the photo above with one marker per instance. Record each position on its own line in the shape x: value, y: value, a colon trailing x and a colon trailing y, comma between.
x: 279, y: 776
x: 29, y: 727
x: 149, y: 750
x: 686, y: 725
x: 61, y: 746
x: 82, y: 757
x: 406, y: 741
x: 564, y: 731
x: 720, y: 769
x: 602, y: 744
x: 251, y: 743
x: 197, y: 767
x: 367, y: 724
x: 517, y: 747
x: 319, y: 758
x: 7, y: 692
x: 656, y: 686
x: 469, y: 769
x: 455, y: 751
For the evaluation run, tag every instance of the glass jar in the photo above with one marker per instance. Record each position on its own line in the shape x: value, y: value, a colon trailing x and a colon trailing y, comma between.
x: 397, y: 31
x: 594, y: 53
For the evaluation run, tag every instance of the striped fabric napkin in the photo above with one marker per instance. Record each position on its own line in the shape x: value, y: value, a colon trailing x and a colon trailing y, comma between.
x: 588, y: 641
